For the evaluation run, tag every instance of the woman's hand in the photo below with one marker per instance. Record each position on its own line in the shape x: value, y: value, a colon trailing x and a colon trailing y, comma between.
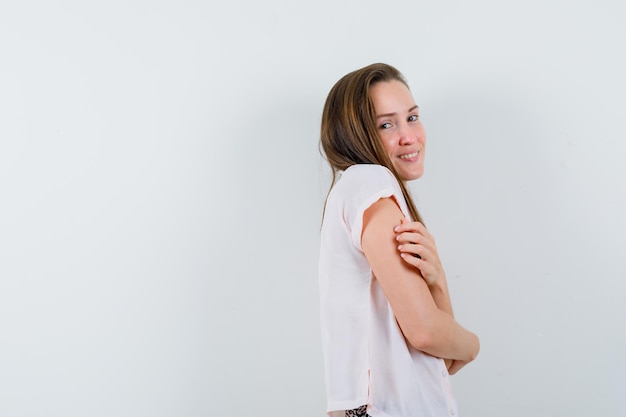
x: 417, y: 247
x: 456, y: 366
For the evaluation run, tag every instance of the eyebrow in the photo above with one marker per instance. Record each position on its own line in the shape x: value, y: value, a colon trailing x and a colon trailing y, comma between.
x: 393, y: 114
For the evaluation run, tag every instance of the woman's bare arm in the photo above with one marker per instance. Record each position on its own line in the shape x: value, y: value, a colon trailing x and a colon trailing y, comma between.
x: 423, y: 323
x: 414, y: 239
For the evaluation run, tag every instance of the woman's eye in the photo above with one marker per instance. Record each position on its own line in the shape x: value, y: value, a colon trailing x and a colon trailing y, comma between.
x: 385, y: 125
x: 413, y: 118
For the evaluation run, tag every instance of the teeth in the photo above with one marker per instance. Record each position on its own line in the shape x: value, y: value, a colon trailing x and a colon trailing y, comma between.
x: 409, y: 156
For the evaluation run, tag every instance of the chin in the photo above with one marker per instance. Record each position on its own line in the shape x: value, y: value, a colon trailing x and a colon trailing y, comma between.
x: 411, y: 176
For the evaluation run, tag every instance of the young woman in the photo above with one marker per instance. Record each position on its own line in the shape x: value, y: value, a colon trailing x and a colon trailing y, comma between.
x: 389, y: 336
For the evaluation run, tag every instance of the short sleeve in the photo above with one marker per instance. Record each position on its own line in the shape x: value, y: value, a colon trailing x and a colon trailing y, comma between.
x: 364, y: 185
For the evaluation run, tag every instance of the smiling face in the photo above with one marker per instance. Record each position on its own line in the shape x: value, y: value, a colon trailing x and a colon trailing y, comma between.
x: 399, y: 127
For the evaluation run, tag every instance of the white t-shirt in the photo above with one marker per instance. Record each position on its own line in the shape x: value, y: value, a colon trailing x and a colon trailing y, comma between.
x: 367, y: 359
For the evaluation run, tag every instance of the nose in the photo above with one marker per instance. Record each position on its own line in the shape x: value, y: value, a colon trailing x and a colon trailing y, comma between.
x: 407, y: 136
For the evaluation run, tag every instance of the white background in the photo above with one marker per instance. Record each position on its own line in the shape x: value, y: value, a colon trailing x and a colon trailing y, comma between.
x: 161, y: 197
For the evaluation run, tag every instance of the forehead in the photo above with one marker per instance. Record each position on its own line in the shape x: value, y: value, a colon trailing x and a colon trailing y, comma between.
x: 391, y: 96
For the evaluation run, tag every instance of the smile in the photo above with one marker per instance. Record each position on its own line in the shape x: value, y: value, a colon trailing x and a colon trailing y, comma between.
x: 410, y: 155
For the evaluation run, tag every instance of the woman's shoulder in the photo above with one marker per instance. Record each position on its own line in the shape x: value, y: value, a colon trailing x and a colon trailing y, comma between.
x: 367, y: 172
x: 363, y: 180
x: 359, y: 187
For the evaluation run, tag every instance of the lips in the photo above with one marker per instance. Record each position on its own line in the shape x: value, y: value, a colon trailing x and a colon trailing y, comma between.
x: 410, y: 156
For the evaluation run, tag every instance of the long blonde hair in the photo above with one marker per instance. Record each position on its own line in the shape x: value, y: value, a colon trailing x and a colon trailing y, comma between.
x: 349, y: 134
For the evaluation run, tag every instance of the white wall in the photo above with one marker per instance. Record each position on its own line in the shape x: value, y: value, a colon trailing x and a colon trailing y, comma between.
x: 162, y: 193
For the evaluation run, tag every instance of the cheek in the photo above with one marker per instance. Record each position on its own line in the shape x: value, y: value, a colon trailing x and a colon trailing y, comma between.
x: 388, y: 145
x: 422, y: 135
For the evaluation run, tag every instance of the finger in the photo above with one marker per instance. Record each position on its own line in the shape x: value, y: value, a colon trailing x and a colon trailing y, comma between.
x: 456, y: 367
x: 420, y: 252
x: 412, y: 249
x: 418, y: 231
x: 411, y: 260
x: 421, y: 229
x: 409, y: 227
x: 415, y: 239
x: 420, y: 265
x: 429, y: 264
x: 407, y: 237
